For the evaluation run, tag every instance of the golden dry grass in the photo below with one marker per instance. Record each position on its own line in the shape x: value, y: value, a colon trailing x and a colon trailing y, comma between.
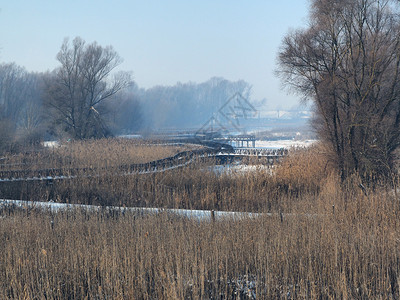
x: 103, y: 153
x: 196, y: 186
x: 351, y: 253
x: 325, y: 240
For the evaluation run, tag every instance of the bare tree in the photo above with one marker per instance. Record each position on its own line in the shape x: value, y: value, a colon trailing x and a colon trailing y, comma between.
x: 13, y: 90
x: 124, y: 112
x: 81, y: 84
x: 348, y: 63
x: 20, y: 105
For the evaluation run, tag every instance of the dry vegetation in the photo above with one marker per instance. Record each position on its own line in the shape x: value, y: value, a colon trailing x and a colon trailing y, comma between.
x: 196, y: 186
x: 352, y: 252
x: 103, y: 153
x: 332, y: 240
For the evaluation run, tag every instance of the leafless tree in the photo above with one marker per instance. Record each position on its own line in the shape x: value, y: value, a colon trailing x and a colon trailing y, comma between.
x: 348, y: 62
x: 13, y: 90
x: 81, y: 84
x: 20, y: 105
x: 124, y: 111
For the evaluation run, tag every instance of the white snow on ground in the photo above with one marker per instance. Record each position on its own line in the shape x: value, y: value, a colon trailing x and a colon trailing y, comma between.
x: 130, y: 136
x: 238, y: 169
x: 277, y: 144
x: 51, y: 144
x: 284, y: 144
x: 201, y: 215
x: 197, y: 215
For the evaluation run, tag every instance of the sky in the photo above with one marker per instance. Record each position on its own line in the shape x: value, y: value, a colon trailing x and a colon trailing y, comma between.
x: 162, y: 42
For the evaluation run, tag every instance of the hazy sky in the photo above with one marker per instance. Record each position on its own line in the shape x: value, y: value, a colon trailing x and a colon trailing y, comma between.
x: 162, y: 42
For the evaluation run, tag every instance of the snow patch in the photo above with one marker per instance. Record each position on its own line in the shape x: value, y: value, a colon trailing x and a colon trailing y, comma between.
x: 286, y: 144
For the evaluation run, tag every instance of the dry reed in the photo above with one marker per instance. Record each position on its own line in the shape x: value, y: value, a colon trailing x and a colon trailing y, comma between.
x: 196, y: 186
x: 102, y: 153
x: 326, y: 240
x: 351, y: 252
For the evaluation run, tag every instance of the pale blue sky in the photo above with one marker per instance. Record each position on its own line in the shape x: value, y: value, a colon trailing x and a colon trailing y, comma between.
x: 161, y: 42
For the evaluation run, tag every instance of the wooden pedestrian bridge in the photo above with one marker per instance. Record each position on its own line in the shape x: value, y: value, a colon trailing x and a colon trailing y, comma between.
x: 238, y: 141
x: 218, y: 155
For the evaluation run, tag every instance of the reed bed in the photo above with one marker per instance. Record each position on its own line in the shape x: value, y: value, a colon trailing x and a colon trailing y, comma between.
x: 102, y: 153
x: 196, y: 186
x: 351, y: 252
x: 326, y: 239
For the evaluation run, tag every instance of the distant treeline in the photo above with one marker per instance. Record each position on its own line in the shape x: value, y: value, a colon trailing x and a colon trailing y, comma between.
x: 184, y: 105
x: 25, y: 115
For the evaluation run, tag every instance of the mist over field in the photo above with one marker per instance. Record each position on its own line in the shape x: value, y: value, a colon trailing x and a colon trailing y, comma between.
x: 159, y: 158
x: 27, y: 113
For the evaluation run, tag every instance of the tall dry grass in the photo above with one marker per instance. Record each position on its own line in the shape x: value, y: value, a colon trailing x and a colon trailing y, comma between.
x: 196, y: 186
x: 349, y: 253
x: 327, y: 239
x: 101, y: 153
